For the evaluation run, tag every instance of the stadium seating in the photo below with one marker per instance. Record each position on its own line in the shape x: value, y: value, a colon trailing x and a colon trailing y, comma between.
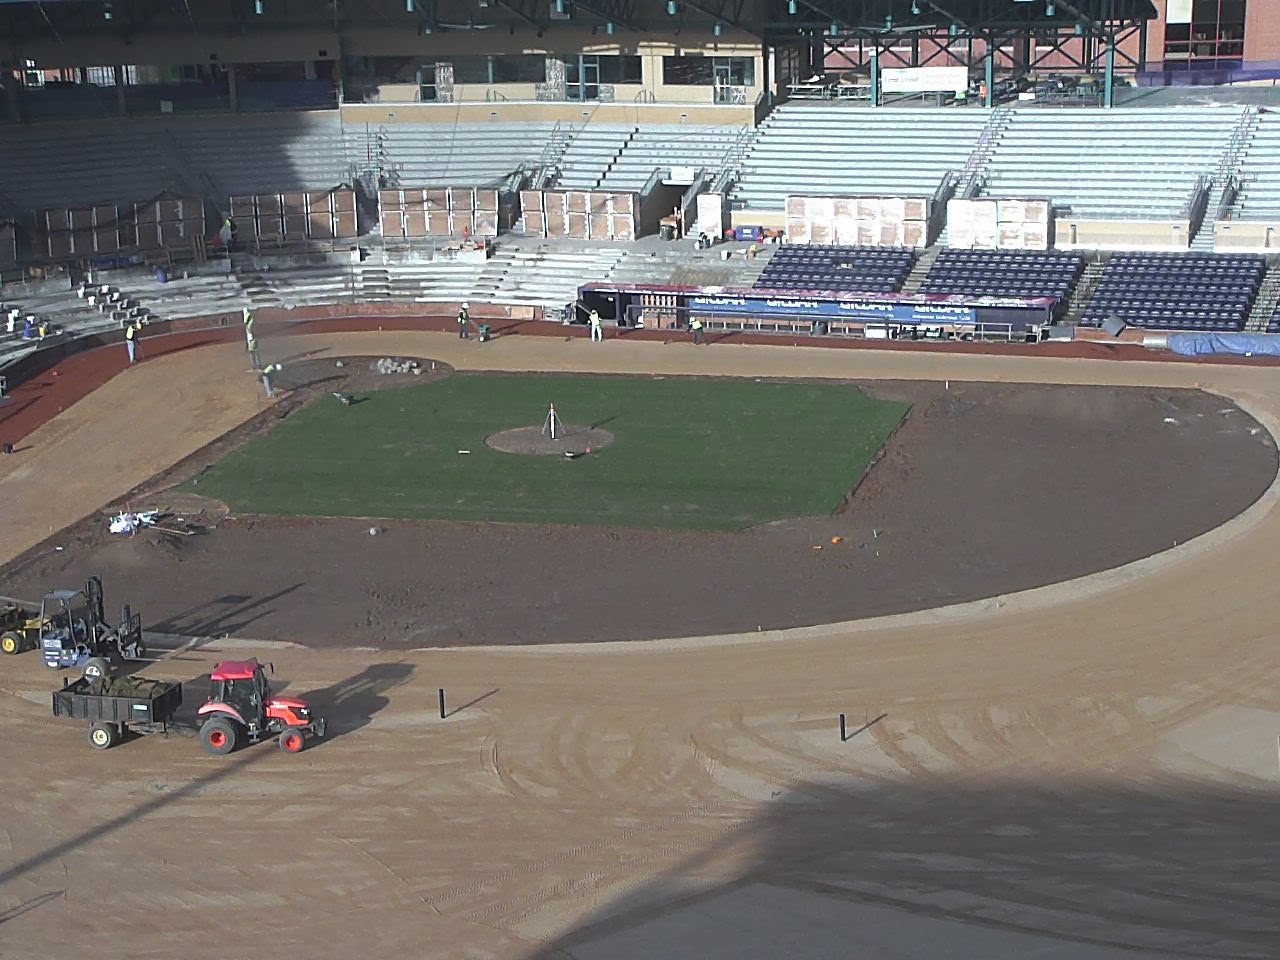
x: 1164, y: 291
x: 475, y: 154
x: 590, y: 153
x: 652, y: 147
x: 74, y: 164
x: 1137, y: 163
x: 1005, y: 273
x: 1259, y: 197
x: 827, y: 150
x: 851, y: 269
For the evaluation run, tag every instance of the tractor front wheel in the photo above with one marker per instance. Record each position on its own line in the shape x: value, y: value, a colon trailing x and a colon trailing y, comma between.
x: 219, y: 736
x: 103, y: 736
x: 292, y: 741
x: 11, y: 642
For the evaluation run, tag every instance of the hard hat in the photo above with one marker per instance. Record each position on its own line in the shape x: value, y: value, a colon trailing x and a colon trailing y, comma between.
x: 466, y: 306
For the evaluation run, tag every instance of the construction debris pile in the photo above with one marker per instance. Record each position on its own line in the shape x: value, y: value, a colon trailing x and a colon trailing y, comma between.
x: 391, y: 365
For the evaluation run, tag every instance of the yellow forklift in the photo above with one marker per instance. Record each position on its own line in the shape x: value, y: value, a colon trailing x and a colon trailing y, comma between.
x: 19, y: 628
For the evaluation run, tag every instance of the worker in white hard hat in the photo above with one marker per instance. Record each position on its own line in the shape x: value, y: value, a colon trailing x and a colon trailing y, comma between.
x: 269, y: 371
x: 464, y: 322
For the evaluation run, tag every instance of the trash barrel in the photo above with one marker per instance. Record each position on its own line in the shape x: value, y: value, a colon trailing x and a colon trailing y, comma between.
x: 484, y: 332
x: 162, y: 275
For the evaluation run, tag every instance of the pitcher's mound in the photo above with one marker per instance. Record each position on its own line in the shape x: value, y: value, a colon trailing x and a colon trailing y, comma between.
x: 531, y: 440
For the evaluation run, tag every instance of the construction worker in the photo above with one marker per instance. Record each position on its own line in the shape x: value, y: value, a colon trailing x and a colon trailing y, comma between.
x: 269, y: 371
x: 246, y: 317
x: 131, y: 342
x: 464, y: 322
x: 597, y: 327
x: 43, y: 329
x: 695, y: 331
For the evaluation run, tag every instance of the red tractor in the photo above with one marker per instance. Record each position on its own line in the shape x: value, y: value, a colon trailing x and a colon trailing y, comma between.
x: 241, y: 708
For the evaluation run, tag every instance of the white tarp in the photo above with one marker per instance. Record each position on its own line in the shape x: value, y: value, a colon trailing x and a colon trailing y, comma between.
x: 130, y: 523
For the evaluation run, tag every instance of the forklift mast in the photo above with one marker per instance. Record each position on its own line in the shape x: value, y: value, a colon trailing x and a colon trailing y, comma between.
x: 93, y: 590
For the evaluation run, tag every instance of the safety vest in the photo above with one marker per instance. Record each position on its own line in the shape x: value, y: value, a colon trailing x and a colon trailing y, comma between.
x: 463, y: 316
x: 130, y: 331
x: 595, y: 318
x: 271, y: 368
x: 248, y: 319
x: 696, y: 324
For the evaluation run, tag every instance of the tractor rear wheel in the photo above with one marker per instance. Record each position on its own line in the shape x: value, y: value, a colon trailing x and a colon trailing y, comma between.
x: 11, y: 642
x: 103, y: 736
x: 219, y: 735
x: 97, y: 667
x: 292, y: 741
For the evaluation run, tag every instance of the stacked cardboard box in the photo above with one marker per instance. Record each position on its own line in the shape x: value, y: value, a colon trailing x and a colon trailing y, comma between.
x: 86, y: 231
x: 8, y: 246
x: 858, y: 221
x: 999, y: 224
x: 439, y: 212
x: 292, y: 217
x: 580, y: 214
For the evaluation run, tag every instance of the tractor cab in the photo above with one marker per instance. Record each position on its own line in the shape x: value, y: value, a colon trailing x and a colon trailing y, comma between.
x: 243, y: 687
x: 241, y: 702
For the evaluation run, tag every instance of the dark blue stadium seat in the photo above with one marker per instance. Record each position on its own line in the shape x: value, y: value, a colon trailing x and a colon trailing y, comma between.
x: 1005, y: 273
x: 1176, y: 291
x: 839, y: 268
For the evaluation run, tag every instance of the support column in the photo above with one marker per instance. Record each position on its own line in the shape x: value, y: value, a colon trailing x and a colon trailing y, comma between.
x: 1142, y: 46
x: 989, y: 74
x: 122, y: 105
x: 875, y: 76
x: 233, y: 98
x: 1109, y: 81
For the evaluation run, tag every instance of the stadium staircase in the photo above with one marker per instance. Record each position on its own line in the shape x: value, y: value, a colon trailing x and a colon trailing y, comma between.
x: 973, y: 176
x: 1227, y: 179
x: 591, y: 154
x: 1094, y: 267
x: 1258, y: 170
x: 1263, y: 311
x: 920, y: 269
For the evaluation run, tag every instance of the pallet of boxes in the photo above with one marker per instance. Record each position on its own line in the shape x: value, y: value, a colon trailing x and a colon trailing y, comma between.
x: 858, y: 221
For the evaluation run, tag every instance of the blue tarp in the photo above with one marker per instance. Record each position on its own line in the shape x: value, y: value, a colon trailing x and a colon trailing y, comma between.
x: 1238, y: 344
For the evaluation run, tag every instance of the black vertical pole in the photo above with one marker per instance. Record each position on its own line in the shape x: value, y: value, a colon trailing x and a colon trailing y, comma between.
x: 442, y: 713
x: 843, y: 738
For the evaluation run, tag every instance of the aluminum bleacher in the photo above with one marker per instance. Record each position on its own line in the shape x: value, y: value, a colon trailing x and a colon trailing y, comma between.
x: 1005, y: 273
x: 475, y: 154
x: 654, y: 146
x: 1259, y: 197
x: 81, y: 163
x: 851, y: 269
x: 1133, y: 163
x: 591, y: 153
x: 1169, y: 291
x: 849, y: 151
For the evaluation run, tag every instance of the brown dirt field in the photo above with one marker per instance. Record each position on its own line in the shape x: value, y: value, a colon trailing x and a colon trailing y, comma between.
x: 960, y: 507
x: 1086, y: 771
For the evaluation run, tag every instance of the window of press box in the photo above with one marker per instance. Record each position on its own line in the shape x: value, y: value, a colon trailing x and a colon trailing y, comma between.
x: 500, y: 69
x: 620, y: 69
x: 708, y: 71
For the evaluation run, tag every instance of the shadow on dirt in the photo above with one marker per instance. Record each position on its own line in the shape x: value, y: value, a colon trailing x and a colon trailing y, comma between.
x: 349, y: 705
x: 222, y: 616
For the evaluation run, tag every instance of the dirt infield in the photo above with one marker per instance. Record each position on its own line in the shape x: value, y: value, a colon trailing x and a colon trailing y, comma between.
x: 961, y: 506
x: 1087, y: 772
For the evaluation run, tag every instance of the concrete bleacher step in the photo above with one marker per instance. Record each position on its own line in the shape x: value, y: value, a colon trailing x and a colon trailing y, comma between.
x: 1085, y: 286
x: 920, y: 269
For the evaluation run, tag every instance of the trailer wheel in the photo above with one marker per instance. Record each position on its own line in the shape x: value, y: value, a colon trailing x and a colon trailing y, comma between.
x: 103, y: 736
x: 11, y: 642
x: 219, y: 735
x: 292, y: 741
x: 97, y: 667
